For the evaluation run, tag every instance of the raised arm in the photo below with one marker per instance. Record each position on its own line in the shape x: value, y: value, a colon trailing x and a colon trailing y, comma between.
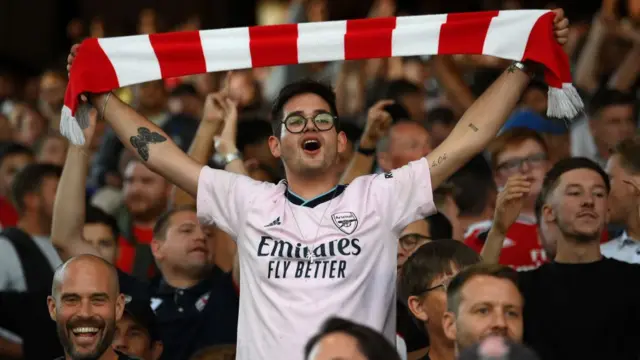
x: 69, y: 206
x: 508, y: 206
x: 146, y: 140
x: 485, y: 117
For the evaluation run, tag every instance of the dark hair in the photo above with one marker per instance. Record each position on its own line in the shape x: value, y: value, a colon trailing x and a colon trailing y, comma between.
x: 371, y: 343
x: 538, y: 208
x: 9, y: 149
x: 440, y: 115
x: 474, y: 191
x: 629, y: 152
x: 439, y: 226
x: 351, y: 130
x: 29, y: 180
x: 396, y: 89
x: 464, y: 276
x: 398, y: 112
x: 252, y: 131
x: 605, y: 97
x: 162, y: 224
x: 304, y: 86
x: 95, y: 215
x: 552, y: 177
x: 536, y: 84
x: 184, y: 89
x: 432, y: 260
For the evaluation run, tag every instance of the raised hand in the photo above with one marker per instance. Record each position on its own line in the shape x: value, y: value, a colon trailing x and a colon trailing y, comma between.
x: 378, y: 123
x: 219, y: 108
x: 509, y: 203
x: 561, y: 26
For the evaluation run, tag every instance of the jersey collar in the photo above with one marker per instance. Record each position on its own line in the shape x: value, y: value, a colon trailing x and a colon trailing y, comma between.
x: 322, y: 198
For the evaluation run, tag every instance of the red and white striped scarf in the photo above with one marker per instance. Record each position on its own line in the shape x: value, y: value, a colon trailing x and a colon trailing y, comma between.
x: 102, y: 65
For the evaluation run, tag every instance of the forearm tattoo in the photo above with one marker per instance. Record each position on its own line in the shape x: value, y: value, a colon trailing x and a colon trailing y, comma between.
x: 143, y: 139
x: 473, y: 127
x: 439, y: 161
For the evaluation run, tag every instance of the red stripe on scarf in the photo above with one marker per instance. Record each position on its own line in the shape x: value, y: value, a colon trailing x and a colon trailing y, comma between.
x: 273, y: 45
x: 543, y: 48
x: 369, y: 38
x: 179, y: 53
x: 464, y: 33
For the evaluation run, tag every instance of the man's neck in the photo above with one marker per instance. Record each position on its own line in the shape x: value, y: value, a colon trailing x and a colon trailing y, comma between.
x: 570, y: 251
x: 34, y: 226
x: 311, y: 187
x: 441, y: 348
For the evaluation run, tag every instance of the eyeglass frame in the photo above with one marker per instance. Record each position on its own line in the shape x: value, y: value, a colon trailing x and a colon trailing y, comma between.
x: 313, y: 121
x: 519, y: 162
x: 443, y: 284
x: 421, y: 238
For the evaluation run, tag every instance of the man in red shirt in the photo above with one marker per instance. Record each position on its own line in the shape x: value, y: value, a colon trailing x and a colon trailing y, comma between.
x: 146, y: 195
x: 13, y: 157
x: 517, y: 151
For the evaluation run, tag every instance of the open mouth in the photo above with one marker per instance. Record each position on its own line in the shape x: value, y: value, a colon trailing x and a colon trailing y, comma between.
x: 311, y: 145
x: 85, y: 336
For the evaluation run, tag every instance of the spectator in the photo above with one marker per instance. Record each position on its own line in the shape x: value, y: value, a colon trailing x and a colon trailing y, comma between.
x: 575, y: 196
x: 13, y: 158
x: 483, y: 300
x: 497, y: 347
x: 420, y: 232
x: 535, y: 97
x: 146, y: 195
x: 86, y: 302
x: 554, y: 132
x: 29, y: 125
x: 195, y: 302
x: 33, y: 190
x: 423, y: 286
x: 406, y: 141
x: 440, y: 121
x: 343, y: 339
x: 623, y: 168
x: 518, y: 151
x: 475, y: 197
x: 136, y: 332
x: 51, y: 149
x: 444, y: 198
x: 408, y: 95
x: 253, y: 142
x: 184, y: 99
x: 52, y: 86
x: 611, y: 120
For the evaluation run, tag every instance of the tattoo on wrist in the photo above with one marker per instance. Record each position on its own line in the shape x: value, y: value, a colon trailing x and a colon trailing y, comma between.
x: 439, y: 161
x: 473, y: 127
x: 143, y: 139
x: 512, y: 68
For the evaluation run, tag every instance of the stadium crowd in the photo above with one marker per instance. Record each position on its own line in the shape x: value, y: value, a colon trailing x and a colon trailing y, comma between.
x: 536, y: 239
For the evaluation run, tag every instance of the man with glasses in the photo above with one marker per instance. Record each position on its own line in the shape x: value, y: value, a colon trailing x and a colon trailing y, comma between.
x: 423, y: 287
x: 308, y: 247
x: 517, y: 151
x: 418, y: 233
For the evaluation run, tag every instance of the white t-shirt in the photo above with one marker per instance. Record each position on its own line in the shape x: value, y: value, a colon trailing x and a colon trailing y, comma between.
x: 352, y: 231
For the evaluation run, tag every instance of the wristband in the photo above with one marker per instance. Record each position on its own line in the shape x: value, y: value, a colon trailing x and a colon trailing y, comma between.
x: 366, y: 152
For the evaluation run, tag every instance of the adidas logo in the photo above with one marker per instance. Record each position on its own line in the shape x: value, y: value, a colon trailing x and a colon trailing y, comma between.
x: 274, y: 222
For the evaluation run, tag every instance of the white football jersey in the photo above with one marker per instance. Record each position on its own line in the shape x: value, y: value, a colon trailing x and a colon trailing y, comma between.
x: 303, y: 261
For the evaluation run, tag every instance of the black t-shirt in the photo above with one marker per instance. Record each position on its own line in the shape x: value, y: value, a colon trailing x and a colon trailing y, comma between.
x: 583, y: 311
x: 415, y: 338
x: 191, y: 319
x: 121, y: 356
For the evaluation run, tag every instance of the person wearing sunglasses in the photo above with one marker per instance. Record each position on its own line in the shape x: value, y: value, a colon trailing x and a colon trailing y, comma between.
x: 424, y: 280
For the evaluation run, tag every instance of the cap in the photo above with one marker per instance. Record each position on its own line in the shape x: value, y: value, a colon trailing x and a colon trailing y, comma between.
x: 532, y: 120
x: 498, y: 348
x: 139, y: 308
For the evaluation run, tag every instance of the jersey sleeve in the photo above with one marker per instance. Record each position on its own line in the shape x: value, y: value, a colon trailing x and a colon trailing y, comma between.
x: 224, y: 198
x: 404, y: 195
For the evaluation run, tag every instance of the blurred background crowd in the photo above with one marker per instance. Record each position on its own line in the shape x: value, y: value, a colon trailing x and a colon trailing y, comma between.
x: 429, y: 95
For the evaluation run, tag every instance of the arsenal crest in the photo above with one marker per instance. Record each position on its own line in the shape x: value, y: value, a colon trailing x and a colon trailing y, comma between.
x: 347, y: 222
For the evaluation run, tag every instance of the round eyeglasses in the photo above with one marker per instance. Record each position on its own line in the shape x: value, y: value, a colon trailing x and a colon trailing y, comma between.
x: 297, y: 123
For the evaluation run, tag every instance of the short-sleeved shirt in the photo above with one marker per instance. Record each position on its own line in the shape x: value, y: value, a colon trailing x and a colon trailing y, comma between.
x: 582, y: 311
x: 303, y: 261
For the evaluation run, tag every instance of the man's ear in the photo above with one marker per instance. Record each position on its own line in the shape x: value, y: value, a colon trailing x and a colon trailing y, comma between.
x: 384, y: 160
x: 51, y: 304
x: 449, y: 325
x: 274, y: 146
x: 415, y: 306
x: 119, y: 306
x: 548, y: 214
